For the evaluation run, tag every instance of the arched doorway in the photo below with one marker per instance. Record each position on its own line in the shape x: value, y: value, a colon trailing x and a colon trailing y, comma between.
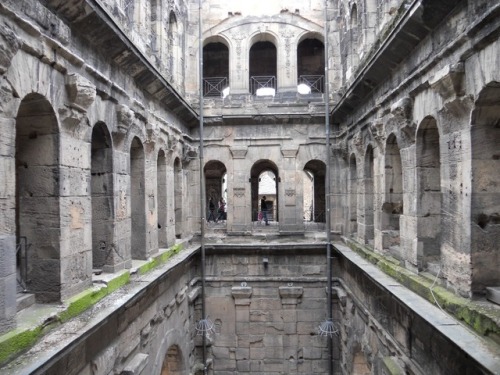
x: 173, y: 363
x: 137, y: 200
x: 102, y: 192
x: 314, y: 209
x: 161, y: 198
x: 264, y: 181
x: 485, y: 199
x: 392, y: 206
x: 353, y: 196
x: 366, y: 222
x: 429, y: 199
x: 215, y: 181
x: 178, y: 181
x: 37, y: 198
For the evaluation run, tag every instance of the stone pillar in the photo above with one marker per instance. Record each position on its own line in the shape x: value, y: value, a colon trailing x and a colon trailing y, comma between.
x: 287, y: 64
x: 290, y: 297
x: 290, y: 202
x: 242, y: 298
x: 239, y: 190
x: 238, y: 65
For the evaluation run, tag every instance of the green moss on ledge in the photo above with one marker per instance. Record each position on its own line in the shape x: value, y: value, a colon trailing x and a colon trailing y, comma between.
x: 480, y: 318
x: 159, y: 259
x: 17, y: 341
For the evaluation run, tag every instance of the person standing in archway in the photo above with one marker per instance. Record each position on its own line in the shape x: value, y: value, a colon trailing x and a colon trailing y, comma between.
x: 263, y: 209
x: 211, y: 209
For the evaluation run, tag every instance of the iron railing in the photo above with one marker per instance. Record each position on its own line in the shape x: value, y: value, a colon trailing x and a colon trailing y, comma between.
x: 315, y: 82
x: 214, y: 86
x: 22, y: 263
x: 261, y: 82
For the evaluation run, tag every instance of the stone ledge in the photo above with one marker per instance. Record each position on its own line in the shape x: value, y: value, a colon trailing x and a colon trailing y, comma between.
x: 35, y: 325
x: 483, y: 319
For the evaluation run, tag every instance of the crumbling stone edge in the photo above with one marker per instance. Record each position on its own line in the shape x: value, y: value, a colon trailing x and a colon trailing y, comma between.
x: 19, y: 340
x: 482, y: 319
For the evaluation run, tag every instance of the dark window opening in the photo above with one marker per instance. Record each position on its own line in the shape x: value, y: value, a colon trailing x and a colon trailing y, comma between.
x: 311, y: 66
x: 215, y: 70
x: 263, y: 68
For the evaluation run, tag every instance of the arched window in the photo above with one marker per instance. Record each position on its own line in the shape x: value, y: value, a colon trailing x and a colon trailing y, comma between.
x: 263, y: 68
x: 215, y: 69
x: 311, y: 66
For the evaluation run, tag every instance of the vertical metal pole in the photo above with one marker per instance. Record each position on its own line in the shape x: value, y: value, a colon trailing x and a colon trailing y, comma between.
x: 202, y: 188
x: 328, y: 197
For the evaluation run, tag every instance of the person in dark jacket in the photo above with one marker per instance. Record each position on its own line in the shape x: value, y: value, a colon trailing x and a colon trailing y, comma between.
x: 211, y: 210
x: 263, y: 209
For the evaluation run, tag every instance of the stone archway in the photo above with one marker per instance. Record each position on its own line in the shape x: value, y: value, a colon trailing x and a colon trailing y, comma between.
x: 258, y: 169
x: 138, y: 200
x: 429, y: 198
x: 173, y: 363
x: 161, y: 198
x: 317, y: 170
x: 485, y: 198
x: 392, y: 206
x: 102, y: 192
x: 38, y: 219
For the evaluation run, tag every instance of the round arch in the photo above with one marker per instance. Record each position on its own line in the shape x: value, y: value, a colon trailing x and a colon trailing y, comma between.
x: 314, y: 208
x: 38, y: 197
x: 256, y: 172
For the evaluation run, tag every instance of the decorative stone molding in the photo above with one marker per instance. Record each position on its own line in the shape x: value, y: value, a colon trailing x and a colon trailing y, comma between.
x: 340, y: 294
x: 291, y: 295
x: 72, y: 117
x: 238, y: 152
x: 189, y: 153
x: 340, y: 148
x: 194, y: 294
x: 81, y: 92
x: 377, y: 130
x: 358, y: 141
x: 241, y: 295
x: 401, y: 120
x: 448, y: 82
x: 402, y: 108
x: 289, y: 197
x: 239, y: 192
x: 9, y: 45
x: 125, y: 119
x: 287, y: 36
x: 289, y: 152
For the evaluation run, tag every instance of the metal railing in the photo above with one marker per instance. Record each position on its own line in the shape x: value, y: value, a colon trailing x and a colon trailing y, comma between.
x: 214, y: 86
x: 22, y: 263
x: 315, y: 82
x: 260, y: 82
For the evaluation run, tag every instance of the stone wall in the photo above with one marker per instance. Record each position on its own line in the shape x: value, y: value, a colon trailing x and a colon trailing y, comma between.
x: 410, y: 151
x: 267, y: 306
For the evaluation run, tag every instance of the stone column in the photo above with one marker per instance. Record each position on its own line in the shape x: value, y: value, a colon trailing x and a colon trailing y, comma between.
x: 290, y: 203
x: 239, y: 190
x: 242, y: 298
x: 238, y: 65
x: 287, y: 64
x: 290, y: 297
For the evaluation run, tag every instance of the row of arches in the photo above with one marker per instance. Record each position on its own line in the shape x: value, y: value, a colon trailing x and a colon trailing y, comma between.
x: 52, y: 208
x: 264, y: 181
x: 437, y: 205
x: 263, y: 65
